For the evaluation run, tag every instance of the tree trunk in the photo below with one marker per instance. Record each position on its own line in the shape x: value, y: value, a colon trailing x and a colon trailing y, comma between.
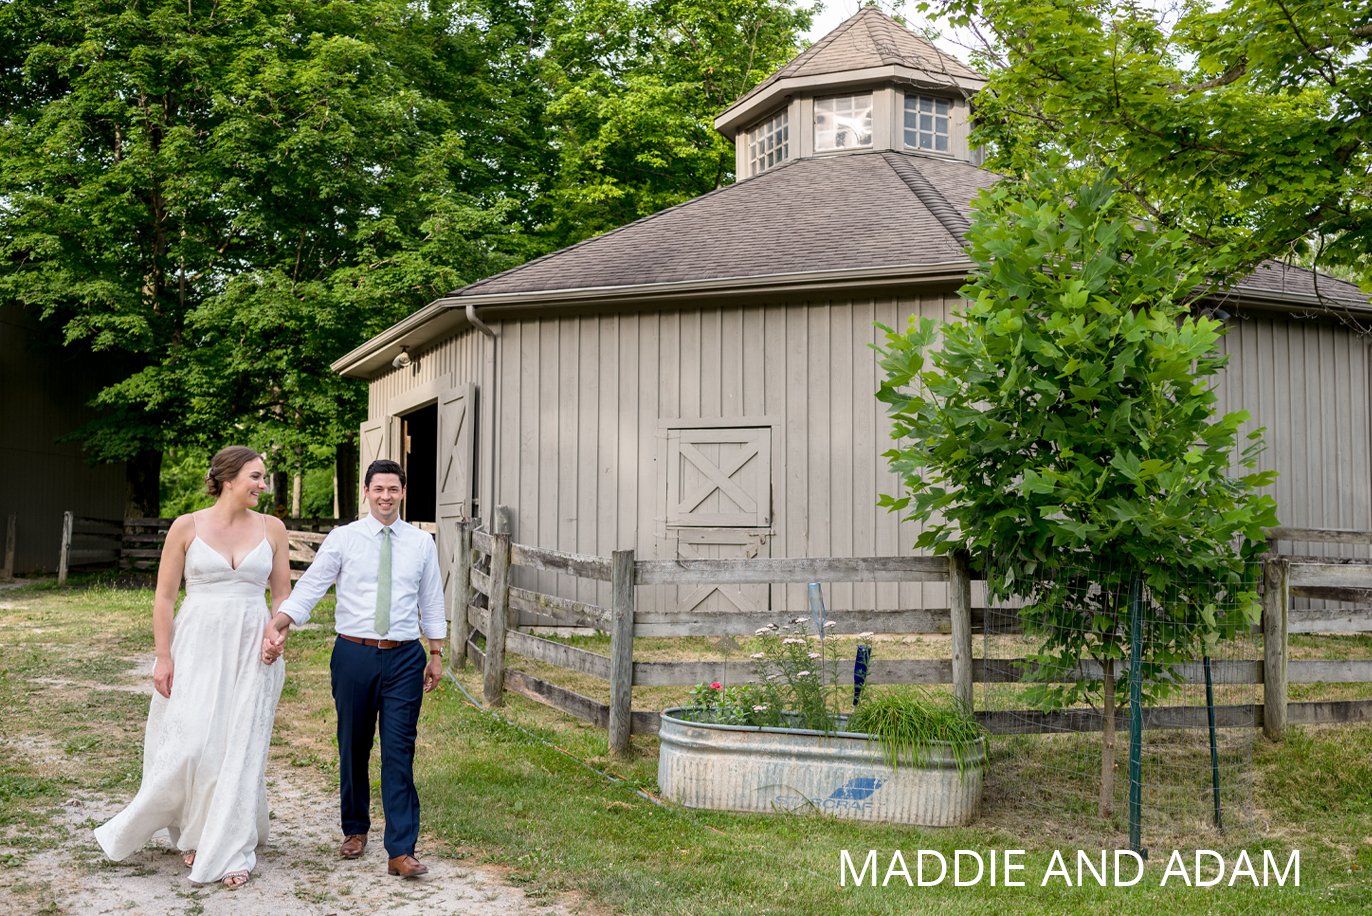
x: 280, y: 480
x: 345, y: 480
x: 1107, y: 742
x: 143, y: 485
x: 297, y: 490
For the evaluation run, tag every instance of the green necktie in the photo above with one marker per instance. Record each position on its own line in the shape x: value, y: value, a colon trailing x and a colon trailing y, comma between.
x: 383, y: 585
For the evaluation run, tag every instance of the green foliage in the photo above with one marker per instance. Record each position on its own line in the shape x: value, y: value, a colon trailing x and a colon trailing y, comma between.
x: 797, y: 683
x: 910, y: 722
x: 219, y: 201
x: 1064, y: 433
x: 1242, y: 121
x: 634, y: 89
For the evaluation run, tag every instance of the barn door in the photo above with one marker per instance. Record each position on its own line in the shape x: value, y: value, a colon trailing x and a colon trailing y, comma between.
x: 371, y: 446
x: 719, y: 485
x: 456, y: 469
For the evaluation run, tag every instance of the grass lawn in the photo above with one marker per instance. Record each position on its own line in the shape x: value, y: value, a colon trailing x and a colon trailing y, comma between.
x: 522, y: 791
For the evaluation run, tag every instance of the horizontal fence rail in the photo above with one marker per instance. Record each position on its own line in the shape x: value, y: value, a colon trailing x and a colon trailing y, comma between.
x: 486, y: 595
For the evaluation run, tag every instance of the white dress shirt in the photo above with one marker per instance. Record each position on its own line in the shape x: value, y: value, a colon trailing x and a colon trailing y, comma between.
x: 350, y: 557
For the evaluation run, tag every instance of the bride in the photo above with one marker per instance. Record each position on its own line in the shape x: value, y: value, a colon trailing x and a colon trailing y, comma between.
x: 205, y: 752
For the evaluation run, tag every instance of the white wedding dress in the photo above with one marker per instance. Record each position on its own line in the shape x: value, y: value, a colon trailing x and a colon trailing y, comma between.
x: 205, y: 752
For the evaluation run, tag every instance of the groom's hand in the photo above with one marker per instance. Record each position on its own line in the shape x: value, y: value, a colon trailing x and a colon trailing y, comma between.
x: 433, y: 673
x: 273, y: 644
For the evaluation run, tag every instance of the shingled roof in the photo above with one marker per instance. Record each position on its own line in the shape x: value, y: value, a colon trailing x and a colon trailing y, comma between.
x: 859, y: 212
x: 869, y: 39
x: 854, y: 212
x: 868, y: 45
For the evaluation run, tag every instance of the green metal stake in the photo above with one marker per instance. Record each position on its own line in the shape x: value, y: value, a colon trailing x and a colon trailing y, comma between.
x: 1136, y: 714
x: 1214, y: 752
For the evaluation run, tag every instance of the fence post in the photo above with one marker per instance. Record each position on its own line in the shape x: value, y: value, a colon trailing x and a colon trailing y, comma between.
x: 960, y: 609
x: 621, y: 649
x: 462, y: 595
x: 497, y: 613
x: 11, y: 525
x: 1276, y: 600
x: 63, y: 556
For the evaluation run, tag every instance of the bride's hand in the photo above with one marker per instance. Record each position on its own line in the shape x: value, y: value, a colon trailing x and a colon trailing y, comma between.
x: 162, y: 676
x: 273, y: 644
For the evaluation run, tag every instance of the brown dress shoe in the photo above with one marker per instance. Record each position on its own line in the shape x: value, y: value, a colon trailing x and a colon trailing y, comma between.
x: 406, y: 867
x: 353, y: 846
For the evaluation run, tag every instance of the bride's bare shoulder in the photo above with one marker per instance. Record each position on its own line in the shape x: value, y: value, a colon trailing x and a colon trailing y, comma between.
x: 182, y: 530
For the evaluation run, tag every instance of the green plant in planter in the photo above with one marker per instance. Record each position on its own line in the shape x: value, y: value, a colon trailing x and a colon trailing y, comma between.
x: 797, y: 683
x: 909, y: 723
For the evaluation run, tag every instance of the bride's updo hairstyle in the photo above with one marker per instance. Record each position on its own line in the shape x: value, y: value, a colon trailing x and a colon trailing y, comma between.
x: 226, y: 464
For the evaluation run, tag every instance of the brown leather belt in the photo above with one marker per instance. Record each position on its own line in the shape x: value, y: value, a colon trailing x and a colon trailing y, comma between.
x: 378, y: 643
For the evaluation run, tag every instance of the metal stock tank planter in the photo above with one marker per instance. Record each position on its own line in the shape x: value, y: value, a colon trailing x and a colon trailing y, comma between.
x: 845, y: 774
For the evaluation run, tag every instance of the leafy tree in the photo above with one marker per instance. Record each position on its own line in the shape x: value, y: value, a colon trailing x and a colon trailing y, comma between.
x: 1064, y: 435
x: 1246, y: 123
x: 635, y: 87
x: 218, y: 199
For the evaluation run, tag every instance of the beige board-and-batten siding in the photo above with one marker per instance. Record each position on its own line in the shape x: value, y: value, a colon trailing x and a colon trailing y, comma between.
x: 1307, y: 381
x: 579, y: 414
x: 586, y: 405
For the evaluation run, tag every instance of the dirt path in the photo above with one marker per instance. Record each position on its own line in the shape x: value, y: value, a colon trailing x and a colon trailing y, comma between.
x: 298, y: 869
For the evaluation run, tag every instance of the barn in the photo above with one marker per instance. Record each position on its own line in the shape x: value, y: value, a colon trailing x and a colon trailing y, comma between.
x: 700, y: 383
x: 44, y: 391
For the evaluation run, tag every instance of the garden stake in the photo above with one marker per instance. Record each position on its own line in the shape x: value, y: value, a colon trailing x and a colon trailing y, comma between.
x: 1136, y: 714
x: 1214, y: 753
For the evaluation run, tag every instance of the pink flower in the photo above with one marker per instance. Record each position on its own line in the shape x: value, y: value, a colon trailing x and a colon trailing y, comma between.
x: 802, y: 674
x: 813, y: 654
x: 716, y: 685
x: 866, y: 635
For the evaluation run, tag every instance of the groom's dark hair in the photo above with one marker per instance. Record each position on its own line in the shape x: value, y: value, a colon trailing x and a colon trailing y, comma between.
x: 383, y: 466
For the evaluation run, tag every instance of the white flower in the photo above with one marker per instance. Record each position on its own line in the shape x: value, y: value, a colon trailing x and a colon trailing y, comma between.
x: 802, y: 674
x: 867, y: 635
x: 798, y: 620
x: 829, y: 623
x: 793, y: 641
x: 773, y: 676
x: 814, y: 655
x: 759, y: 655
x: 759, y: 709
x: 761, y: 630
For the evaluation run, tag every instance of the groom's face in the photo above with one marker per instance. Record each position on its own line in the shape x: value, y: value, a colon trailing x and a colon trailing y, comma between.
x: 384, y: 494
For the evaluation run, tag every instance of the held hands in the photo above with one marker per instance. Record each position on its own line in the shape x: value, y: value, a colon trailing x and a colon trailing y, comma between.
x: 162, y: 676
x: 273, y: 643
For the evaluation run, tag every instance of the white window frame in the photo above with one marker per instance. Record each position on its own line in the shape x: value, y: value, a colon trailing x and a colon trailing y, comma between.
x: 845, y: 110
x: 930, y: 123
x: 769, y: 143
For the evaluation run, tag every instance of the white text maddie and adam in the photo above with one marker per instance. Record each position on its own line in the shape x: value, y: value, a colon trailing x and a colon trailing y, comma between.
x: 1101, y: 868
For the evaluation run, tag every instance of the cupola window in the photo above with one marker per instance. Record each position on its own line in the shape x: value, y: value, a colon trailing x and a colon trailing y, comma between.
x: 769, y: 143
x: 843, y: 122
x: 926, y: 123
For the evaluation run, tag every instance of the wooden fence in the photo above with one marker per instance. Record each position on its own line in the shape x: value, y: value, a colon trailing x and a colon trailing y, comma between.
x: 87, y: 542
x: 484, y: 561
x: 141, y: 544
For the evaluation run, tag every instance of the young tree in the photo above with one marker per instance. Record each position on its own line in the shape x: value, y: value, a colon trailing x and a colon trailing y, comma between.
x: 1064, y: 435
x: 1242, y: 121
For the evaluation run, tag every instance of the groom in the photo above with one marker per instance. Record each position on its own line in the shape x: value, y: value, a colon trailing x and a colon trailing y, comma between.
x: 389, y: 592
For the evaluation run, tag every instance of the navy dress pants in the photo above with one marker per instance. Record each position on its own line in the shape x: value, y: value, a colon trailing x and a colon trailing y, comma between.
x: 382, y: 687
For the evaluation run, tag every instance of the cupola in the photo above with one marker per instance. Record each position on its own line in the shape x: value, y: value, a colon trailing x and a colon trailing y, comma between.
x: 870, y: 84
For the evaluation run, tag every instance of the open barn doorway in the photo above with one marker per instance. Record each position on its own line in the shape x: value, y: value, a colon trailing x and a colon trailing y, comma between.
x: 419, y: 457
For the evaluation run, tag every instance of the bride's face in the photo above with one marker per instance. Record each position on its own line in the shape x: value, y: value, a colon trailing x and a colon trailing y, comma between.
x: 249, y: 484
